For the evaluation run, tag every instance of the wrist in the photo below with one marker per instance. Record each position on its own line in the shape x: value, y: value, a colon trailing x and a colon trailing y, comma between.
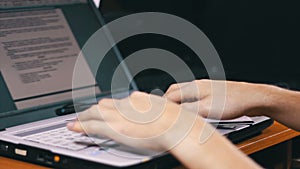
x: 186, y: 127
x: 267, y: 99
x: 203, y: 145
x: 191, y: 146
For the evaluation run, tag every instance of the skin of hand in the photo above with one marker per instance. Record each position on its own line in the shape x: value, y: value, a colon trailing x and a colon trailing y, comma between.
x: 115, y: 119
x: 137, y: 120
x: 241, y: 99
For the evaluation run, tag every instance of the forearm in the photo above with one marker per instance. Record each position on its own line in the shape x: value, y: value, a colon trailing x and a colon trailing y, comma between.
x: 215, y: 152
x: 283, y: 106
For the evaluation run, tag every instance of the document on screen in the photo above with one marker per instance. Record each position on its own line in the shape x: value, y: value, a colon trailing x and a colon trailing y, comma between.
x: 38, y: 55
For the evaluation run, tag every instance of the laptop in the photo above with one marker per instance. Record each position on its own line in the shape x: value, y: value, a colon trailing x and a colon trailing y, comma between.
x: 37, y: 84
x: 40, y: 43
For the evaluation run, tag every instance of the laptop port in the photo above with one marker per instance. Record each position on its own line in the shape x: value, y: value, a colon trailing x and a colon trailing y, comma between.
x: 4, y: 147
x: 20, y: 152
x: 40, y: 158
x: 49, y: 159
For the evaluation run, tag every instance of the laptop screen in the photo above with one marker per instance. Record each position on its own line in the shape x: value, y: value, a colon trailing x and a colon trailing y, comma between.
x: 40, y: 42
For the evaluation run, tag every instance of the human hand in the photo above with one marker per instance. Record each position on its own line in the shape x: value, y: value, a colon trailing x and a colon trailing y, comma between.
x: 219, y: 99
x: 140, y: 120
x: 152, y: 122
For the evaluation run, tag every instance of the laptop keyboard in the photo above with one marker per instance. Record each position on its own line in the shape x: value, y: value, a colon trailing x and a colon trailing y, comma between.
x: 64, y: 138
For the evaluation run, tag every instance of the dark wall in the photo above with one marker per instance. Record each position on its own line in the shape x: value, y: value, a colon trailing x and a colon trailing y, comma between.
x: 255, y: 37
x: 257, y: 41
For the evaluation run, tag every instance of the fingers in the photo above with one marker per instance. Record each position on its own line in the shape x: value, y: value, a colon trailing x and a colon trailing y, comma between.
x: 91, y: 121
x: 183, y: 92
x: 105, y: 106
x: 176, y: 86
x: 110, y: 119
x: 98, y: 112
x: 91, y: 113
x: 75, y: 126
x: 93, y: 127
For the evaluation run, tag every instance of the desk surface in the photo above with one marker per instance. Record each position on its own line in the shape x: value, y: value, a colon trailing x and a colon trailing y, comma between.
x: 275, y: 134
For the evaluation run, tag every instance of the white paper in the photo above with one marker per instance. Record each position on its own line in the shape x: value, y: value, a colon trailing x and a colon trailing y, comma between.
x: 97, y: 3
x: 240, y: 119
x: 38, y: 54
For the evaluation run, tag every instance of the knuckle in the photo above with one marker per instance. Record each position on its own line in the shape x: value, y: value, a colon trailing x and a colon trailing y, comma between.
x: 137, y: 94
x: 203, y: 81
x: 173, y: 86
x: 104, y: 100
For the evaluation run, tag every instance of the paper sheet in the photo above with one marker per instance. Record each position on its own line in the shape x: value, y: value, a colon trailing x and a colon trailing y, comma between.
x: 38, y: 54
x: 97, y: 3
x: 240, y: 119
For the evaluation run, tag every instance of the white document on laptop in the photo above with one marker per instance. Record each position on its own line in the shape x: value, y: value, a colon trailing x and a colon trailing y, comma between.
x: 38, y: 55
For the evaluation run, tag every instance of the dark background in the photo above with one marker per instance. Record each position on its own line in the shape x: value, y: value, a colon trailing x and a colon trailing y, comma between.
x: 258, y: 41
